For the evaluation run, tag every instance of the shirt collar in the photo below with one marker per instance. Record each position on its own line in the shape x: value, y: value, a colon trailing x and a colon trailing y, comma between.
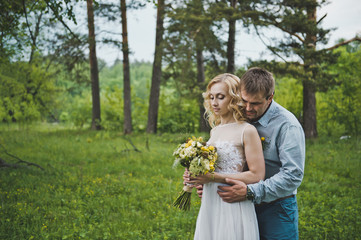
x: 270, y: 112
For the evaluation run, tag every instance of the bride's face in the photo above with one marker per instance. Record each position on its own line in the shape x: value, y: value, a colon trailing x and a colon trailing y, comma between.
x: 220, y: 98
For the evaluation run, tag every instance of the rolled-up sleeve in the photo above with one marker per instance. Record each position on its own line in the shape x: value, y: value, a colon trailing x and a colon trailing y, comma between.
x: 291, y: 150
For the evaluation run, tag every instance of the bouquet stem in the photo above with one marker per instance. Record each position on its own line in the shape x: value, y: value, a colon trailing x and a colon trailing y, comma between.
x: 183, y: 201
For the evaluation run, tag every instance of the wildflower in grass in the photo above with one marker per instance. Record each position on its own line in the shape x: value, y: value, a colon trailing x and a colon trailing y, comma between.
x: 199, y: 159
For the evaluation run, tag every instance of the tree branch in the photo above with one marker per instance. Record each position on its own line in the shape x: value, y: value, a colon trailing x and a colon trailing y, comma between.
x: 61, y: 20
x: 131, y: 143
x: 274, y: 52
x: 110, y: 32
x: 343, y: 43
x: 4, y: 164
x: 27, y: 23
x: 321, y: 18
x: 277, y: 24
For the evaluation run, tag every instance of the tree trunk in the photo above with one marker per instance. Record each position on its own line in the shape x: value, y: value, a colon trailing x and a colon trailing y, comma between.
x: 157, y: 71
x: 126, y: 72
x: 93, y: 69
x: 309, y: 92
x: 203, y: 126
x: 231, y: 40
x: 309, y: 111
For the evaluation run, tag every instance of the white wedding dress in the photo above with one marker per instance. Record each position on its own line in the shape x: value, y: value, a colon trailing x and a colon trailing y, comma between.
x: 218, y: 220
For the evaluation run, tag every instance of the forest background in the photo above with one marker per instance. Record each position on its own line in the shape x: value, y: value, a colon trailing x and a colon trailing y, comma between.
x: 195, y: 40
x: 56, y: 93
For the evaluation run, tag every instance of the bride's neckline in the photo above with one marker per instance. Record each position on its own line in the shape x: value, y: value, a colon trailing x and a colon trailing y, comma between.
x: 226, y: 124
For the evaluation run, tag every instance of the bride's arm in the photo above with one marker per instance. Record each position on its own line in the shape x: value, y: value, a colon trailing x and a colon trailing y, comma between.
x: 255, y: 160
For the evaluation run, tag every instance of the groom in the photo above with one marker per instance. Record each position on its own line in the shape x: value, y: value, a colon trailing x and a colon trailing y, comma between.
x: 283, y: 144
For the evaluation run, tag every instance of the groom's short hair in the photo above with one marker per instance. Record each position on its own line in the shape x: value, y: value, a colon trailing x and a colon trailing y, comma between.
x: 258, y: 80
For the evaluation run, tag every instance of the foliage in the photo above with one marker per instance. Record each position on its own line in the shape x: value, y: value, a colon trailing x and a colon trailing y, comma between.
x: 25, y: 26
x: 288, y: 93
x: 112, y: 110
x: 55, y: 85
x: 27, y: 92
x: 302, y: 32
x: 329, y: 204
x: 190, y: 29
x: 174, y: 115
x: 9, y: 27
x: 96, y: 187
x: 340, y: 109
x: 177, y: 116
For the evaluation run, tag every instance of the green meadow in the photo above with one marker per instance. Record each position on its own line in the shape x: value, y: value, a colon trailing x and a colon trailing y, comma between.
x: 104, y: 185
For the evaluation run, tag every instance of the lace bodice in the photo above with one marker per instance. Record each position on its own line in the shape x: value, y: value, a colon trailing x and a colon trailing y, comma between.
x: 228, y: 139
x: 229, y: 158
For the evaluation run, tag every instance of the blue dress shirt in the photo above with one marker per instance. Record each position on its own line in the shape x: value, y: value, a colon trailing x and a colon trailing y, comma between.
x: 284, y: 154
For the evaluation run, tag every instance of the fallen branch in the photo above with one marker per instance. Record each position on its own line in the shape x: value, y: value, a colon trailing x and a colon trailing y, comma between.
x: 16, y: 165
x: 131, y: 143
x: 9, y: 165
x: 147, y: 144
x: 126, y: 149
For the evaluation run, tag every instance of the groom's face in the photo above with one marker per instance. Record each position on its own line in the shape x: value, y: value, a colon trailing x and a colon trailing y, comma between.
x: 255, y: 104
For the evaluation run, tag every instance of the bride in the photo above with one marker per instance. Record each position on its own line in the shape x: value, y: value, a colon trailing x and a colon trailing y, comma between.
x: 240, y: 157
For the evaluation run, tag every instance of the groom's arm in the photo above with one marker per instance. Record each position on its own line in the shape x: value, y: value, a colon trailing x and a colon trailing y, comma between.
x: 291, y: 151
x: 291, y: 148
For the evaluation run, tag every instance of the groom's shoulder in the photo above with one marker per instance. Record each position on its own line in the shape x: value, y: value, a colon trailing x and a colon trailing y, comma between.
x: 285, y: 116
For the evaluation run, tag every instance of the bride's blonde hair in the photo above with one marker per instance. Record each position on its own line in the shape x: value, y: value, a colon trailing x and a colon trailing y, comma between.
x: 234, y: 106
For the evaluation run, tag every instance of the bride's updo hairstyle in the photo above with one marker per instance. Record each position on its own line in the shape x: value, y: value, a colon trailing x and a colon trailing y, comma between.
x: 233, y: 83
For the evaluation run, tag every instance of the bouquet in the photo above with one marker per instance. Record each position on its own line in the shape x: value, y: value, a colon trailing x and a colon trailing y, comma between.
x: 199, y: 159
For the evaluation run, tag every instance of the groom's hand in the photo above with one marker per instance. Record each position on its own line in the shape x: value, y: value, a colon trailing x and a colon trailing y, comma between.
x: 235, y: 193
x: 199, y: 190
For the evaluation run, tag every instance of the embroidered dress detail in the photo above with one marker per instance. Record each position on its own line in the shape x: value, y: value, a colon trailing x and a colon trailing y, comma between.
x: 229, y: 160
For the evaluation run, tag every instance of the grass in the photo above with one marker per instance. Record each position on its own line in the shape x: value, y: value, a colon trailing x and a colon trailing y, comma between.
x: 95, y: 186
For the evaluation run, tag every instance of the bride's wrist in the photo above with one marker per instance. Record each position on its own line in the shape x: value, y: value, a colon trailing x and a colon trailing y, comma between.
x: 212, y: 177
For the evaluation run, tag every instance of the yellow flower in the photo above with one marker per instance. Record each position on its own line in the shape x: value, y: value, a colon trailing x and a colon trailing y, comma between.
x: 188, y: 143
x: 205, y: 149
x: 262, y: 139
x: 211, y: 148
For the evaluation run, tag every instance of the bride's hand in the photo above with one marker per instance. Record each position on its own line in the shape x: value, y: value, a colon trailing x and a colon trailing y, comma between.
x: 201, y: 179
x: 186, y: 176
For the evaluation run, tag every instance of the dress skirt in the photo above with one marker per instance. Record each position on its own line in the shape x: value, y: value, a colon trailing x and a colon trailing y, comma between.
x: 218, y: 220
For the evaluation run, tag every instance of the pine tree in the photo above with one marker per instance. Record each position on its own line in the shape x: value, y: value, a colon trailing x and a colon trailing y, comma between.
x: 297, y: 19
x: 193, y: 51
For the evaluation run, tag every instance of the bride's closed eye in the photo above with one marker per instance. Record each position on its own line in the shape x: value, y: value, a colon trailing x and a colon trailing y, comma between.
x: 219, y: 96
